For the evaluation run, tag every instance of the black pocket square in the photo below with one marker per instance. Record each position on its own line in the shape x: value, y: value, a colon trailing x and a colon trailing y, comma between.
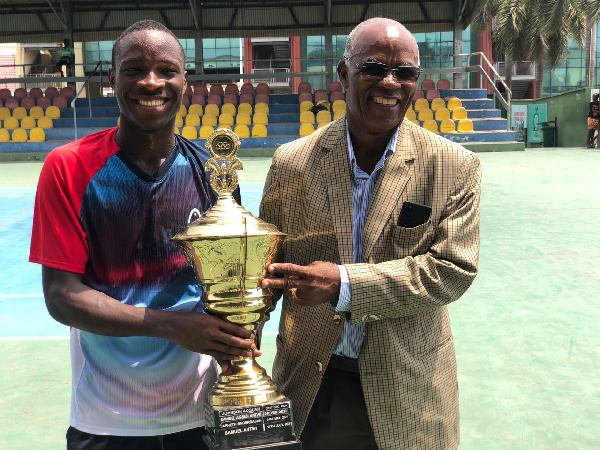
x: 413, y: 214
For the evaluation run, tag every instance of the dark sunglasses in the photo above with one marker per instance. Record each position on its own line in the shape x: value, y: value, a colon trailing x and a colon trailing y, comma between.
x: 377, y: 71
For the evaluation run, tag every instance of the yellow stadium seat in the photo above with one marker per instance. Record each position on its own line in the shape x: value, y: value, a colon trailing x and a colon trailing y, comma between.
x: 306, y: 129
x: 421, y: 103
x: 196, y: 109
x: 259, y: 131
x: 211, y: 109
x: 323, y: 117
x: 182, y: 111
x: 243, y: 119
x: 441, y: 114
x: 242, y: 130
x: 261, y: 108
x: 45, y: 122
x: 226, y: 119
x: 11, y: 123
x: 307, y: 117
x: 28, y: 123
x: 4, y: 113
x: 339, y: 105
x: 245, y: 108
x: 209, y: 119
x: 454, y: 102
x: 36, y: 112
x: 431, y: 125
x: 228, y: 108
x: 37, y: 135
x: 425, y: 114
x: 192, y: 120
x: 4, y: 135
x: 224, y: 126
x: 459, y: 113
x: 205, y: 131
x: 324, y: 103
x: 337, y: 115
x: 178, y: 120
x: 260, y: 118
x: 437, y: 103
x: 306, y: 105
x: 465, y: 126
x: 176, y: 131
x: 19, y: 112
x: 189, y: 132
x: 19, y: 135
x: 322, y: 124
x: 410, y: 114
x: 416, y: 122
x: 447, y: 126
x: 53, y: 112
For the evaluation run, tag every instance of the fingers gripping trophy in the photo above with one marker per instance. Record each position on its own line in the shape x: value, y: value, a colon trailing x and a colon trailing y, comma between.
x: 229, y: 250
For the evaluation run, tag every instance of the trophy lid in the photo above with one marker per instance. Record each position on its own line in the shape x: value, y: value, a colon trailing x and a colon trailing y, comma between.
x: 226, y: 218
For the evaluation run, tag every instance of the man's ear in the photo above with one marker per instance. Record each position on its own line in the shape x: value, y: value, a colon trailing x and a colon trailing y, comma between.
x: 111, y: 77
x: 342, y: 70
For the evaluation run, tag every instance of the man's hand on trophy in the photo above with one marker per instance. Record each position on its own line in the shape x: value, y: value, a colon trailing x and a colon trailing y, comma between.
x: 317, y: 283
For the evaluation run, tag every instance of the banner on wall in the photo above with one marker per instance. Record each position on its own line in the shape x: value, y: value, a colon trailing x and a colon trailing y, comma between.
x: 518, y: 121
x: 537, y: 114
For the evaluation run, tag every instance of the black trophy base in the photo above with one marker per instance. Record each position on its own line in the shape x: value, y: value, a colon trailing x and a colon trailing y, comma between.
x: 268, y: 426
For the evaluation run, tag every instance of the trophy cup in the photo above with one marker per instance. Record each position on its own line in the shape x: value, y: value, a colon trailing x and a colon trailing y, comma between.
x: 229, y: 250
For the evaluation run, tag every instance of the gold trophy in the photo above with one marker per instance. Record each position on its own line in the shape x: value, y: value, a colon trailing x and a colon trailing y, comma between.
x: 229, y: 250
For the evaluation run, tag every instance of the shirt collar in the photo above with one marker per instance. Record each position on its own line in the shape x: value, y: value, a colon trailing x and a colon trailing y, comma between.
x: 389, y: 151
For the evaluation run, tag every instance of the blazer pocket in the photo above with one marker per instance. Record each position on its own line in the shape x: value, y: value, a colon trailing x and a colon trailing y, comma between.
x: 410, y: 241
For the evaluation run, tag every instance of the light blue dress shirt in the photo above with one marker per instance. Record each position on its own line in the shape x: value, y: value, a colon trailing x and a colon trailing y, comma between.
x: 363, y: 184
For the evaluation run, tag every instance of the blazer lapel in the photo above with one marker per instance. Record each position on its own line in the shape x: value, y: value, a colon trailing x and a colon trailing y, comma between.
x: 391, y: 182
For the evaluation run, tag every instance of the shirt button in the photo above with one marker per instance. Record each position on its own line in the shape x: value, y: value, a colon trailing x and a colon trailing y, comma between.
x: 319, y: 367
x: 337, y: 318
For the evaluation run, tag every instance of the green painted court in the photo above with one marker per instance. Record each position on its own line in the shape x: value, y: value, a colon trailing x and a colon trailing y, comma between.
x: 527, y: 332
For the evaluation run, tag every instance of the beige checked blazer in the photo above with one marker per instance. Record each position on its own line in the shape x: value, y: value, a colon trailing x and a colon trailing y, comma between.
x: 407, y: 363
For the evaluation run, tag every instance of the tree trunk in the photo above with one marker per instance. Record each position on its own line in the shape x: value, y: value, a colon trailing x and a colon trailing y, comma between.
x: 590, y: 53
x: 508, y: 68
x: 539, y: 79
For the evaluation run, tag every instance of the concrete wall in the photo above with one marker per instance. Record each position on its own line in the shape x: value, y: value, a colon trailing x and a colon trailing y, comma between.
x: 570, y: 108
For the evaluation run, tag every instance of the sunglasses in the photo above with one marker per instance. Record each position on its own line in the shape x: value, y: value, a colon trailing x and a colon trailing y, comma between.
x: 377, y: 71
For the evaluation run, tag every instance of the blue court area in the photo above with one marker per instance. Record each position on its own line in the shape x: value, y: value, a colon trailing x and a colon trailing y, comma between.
x: 23, y: 313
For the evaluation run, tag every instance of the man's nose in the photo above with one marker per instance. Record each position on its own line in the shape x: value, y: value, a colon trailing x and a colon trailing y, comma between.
x: 390, y: 81
x: 152, y: 80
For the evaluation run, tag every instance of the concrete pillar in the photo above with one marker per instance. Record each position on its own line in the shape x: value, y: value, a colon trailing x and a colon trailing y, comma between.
x: 457, y: 23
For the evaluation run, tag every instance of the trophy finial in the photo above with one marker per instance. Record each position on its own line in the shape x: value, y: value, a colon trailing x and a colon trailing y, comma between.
x: 223, y: 146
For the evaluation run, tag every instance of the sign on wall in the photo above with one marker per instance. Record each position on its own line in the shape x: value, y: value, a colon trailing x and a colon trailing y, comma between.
x: 518, y: 120
x: 537, y: 114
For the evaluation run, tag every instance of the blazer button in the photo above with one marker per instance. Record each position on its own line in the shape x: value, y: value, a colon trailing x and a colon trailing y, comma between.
x: 337, y: 318
x: 319, y: 367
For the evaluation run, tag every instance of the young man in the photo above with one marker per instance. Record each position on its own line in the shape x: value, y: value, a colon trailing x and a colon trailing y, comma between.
x: 382, y: 223
x: 106, y: 208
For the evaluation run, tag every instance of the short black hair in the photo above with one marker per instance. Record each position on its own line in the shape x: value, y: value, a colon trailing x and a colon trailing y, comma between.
x: 142, y: 25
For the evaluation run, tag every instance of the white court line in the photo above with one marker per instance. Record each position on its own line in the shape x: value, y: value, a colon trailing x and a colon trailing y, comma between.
x: 22, y: 296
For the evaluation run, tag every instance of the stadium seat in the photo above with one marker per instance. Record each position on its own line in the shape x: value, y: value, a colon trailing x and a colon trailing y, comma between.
x: 11, y: 123
x: 321, y: 95
x: 410, y: 114
x: 453, y: 102
x: 307, y: 117
x: 5, y: 93
x: 20, y: 93
x: 176, y: 130
x: 11, y: 103
x: 36, y: 112
x: 67, y: 92
x: 216, y: 89
x: 304, y: 86
x: 322, y: 124
x: 59, y: 102
x: 28, y: 123
x: 262, y: 88
x: 53, y: 112
x: 19, y: 112
x: 443, y: 84
x: 37, y: 135
x: 245, y: 108
x: 337, y: 95
x: 36, y: 93
x: 188, y: 91
x: 459, y: 113
x: 323, y: 117
x: 27, y: 103
x: 232, y: 89
x: 427, y: 84
x: 178, y: 121
x: 51, y: 92
x: 305, y: 97
x: 246, y: 99
x: 260, y: 118
x: 465, y: 126
x: 43, y: 102
x: 229, y: 99
x: 247, y: 88
x: 4, y: 113
x: 447, y: 126
x: 335, y: 86
x: 306, y: 105
x: 189, y: 132
x: 224, y: 126
x: 338, y: 114
x: 243, y: 119
x: 192, y: 120
x: 45, y: 123
x: 195, y: 108
x: 431, y: 125
x: 339, y: 105
x: 19, y: 135
x: 420, y: 104
x: 205, y: 131
x: 261, y: 98
x: 261, y: 108
x: 226, y: 119
x: 209, y: 119
x: 437, y: 103
x: 442, y: 114
x: 259, y: 131
x: 185, y: 100
x: 201, y: 90
x: 4, y: 135
x: 214, y: 99
x: 228, y: 108
x: 242, y: 130
x: 425, y: 114
x: 418, y: 94
x: 182, y: 111
x: 324, y: 103
x: 198, y: 99
x: 211, y: 109
x: 432, y: 93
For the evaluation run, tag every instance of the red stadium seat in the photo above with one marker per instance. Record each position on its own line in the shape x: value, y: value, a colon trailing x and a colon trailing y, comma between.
x: 27, y: 103
x: 443, y: 84
x: 335, y: 86
x: 20, y: 93
x: 304, y: 87
x: 67, y: 92
x: 198, y: 99
x: 262, y: 98
x: 232, y: 89
x: 321, y: 95
x: 214, y: 99
x: 418, y: 94
x: 337, y: 95
x: 216, y: 89
x: 185, y: 100
x: 201, y: 89
x: 230, y: 98
x: 5, y: 93
x: 188, y: 92
x: 305, y: 97
x: 263, y: 88
x: 59, y: 102
x: 432, y: 93
x: 51, y: 92
x: 247, y: 88
x: 44, y: 102
x: 11, y: 103
x: 427, y: 84
x: 36, y: 93
x: 247, y: 98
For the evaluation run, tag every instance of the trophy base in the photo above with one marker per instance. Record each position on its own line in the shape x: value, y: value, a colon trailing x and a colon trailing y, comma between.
x: 268, y: 426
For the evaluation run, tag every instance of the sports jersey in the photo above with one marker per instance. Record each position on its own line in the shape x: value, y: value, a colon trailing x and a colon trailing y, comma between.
x: 98, y: 214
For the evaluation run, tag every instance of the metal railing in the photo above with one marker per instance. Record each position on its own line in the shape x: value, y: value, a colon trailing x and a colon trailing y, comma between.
x: 84, y: 86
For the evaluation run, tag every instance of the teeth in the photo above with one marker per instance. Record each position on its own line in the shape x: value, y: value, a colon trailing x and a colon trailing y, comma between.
x: 385, y: 101
x: 151, y: 102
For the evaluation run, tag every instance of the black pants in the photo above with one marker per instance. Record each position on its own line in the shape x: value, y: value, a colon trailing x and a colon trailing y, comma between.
x: 338, y: 418
x: 184, y: 440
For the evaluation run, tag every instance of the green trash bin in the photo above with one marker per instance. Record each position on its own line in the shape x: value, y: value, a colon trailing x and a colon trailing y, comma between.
x: 548, y: 134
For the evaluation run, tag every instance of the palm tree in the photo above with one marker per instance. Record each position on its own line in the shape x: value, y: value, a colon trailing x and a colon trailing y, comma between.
x: 591, y: 22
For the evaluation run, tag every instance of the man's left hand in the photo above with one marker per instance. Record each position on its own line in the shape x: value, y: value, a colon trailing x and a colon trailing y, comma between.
x: 317, y: 283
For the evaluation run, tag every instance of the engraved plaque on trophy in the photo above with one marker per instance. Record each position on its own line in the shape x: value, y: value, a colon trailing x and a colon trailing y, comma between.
x: 229, y: 250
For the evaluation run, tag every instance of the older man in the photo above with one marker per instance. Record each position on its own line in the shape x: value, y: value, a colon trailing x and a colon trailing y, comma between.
x: 382, y: 220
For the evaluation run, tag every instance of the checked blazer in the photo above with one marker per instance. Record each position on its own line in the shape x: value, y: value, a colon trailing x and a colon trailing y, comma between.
x: 407, y: 362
